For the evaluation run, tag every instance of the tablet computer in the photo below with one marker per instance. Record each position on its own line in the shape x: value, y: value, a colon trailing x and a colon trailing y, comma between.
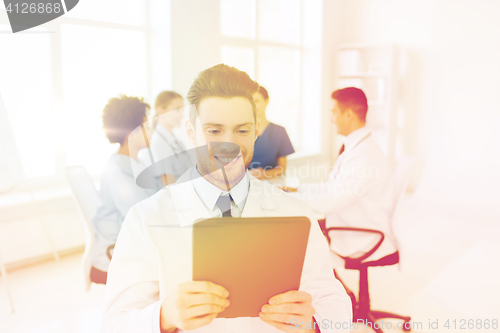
x: 253, y: 258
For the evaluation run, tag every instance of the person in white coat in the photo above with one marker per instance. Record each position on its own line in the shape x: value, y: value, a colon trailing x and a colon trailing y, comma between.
x: 359, y: 191
x: 166, y: 147
x: 150, y: 287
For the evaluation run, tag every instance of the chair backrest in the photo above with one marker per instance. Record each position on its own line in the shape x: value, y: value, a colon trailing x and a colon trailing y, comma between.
x: 401, y: 179
x: 402, y: 176
x: 84, y: 191
x: 87, y: 199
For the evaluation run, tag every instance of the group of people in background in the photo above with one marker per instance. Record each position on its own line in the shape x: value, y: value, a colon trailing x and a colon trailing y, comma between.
x: 358, y: 193
x: 150, y: 285
x: 119, y: 191
x: 123, y: 117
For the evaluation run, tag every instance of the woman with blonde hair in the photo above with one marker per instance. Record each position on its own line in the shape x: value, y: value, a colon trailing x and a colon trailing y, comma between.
x: 170, y: 157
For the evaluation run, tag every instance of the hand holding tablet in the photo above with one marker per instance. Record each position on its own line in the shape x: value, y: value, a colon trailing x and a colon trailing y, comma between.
x: 290, y: 312
x: 195, y: 304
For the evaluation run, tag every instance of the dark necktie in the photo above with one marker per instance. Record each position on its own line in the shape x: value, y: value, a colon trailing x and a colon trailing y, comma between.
x: 342, y: 149
x: 224, y: 204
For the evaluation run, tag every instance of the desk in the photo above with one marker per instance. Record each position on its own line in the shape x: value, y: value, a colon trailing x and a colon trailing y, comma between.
x: 295, y: 182
x: 280, y: 181
x: 5, y: 280
x: 35, y: 214
x: 3, y: 271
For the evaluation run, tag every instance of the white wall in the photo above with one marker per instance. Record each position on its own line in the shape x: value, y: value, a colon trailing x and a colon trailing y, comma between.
x: 451, y: 90
x: 195, y: 40
x: 196, y: 44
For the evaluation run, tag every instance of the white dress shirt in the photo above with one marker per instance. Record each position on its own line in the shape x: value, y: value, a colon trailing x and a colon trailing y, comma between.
x: 153, y: 255
x: 209, y: 193
x: 359, y: 193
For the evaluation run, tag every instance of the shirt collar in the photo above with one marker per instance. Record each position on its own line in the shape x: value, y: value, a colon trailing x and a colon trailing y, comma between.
x: 355, y: 137
x: 209, y: 193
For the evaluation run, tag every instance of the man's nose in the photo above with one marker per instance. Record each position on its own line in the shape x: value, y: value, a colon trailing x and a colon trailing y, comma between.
x: 228, y: 136
x: 229, y: 146
x: 226, y: 142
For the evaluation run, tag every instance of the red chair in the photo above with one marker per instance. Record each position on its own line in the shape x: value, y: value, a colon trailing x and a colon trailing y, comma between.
x: 361, y: 305
x: 361, y: 308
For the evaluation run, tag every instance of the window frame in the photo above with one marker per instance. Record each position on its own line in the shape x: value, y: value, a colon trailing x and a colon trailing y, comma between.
x: 300, y: 155
x: 58, y: 179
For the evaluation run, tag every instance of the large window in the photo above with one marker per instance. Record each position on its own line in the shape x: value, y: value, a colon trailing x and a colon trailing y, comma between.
x: 118, y: 65
x: 278, y: 43
x: 55, y: 80
x: 26, y: 89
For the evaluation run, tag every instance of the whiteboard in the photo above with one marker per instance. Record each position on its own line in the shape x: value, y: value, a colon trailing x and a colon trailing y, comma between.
x: 11, y: 168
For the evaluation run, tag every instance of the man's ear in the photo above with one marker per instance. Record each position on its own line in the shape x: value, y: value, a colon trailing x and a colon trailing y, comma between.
x: 350, y: 114
x: 190, y: 131
x: 257, y: 129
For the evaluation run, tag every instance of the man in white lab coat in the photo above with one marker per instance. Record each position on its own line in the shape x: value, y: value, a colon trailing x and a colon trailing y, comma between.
x: 359, y: 191
x: 150, y: 287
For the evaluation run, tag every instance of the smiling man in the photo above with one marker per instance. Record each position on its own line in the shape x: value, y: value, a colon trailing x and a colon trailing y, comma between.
x: 230, y: 139
x: 150, y: 287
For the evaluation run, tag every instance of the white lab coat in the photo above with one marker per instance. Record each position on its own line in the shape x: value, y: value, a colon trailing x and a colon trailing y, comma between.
x: 153, y: 255
x: 359, y: 193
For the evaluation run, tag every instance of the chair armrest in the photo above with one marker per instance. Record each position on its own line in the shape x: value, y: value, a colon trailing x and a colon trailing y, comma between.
x: 367, y: 254
x: 108, y: 251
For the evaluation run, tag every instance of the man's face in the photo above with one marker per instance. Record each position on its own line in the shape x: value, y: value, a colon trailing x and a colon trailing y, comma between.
x: 227, y: 126
x: 340, y: 119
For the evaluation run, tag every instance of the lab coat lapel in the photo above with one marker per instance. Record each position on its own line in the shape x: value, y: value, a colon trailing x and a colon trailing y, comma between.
x: 259, y: 201
x: 188, y: 205
x: 349, y: 149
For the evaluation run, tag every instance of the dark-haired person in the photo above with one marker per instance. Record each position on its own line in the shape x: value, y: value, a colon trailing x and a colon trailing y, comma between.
x: 169, y: 108
x: 360, y: 189
x: 118, y: 190
x: 150, y: 286
x: 273, y: 144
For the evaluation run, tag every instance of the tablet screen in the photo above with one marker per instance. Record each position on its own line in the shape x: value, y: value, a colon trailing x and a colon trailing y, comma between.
x: 254, y: 258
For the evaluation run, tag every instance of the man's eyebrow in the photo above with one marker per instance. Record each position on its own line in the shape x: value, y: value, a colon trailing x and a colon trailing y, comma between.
x: 222, y: 125
x: 212, y: 124
x: 245, y: 124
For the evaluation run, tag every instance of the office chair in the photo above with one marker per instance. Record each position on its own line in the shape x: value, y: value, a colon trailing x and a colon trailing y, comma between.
x: 361, y: 309
x: 87, y: 199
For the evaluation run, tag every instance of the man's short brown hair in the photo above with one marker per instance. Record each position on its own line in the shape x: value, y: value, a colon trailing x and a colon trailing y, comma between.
x: 352, y: 98
x: 221, y: 81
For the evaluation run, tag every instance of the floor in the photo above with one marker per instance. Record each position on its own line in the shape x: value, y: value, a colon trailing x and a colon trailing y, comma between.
x: 50, y: 298
x: 449, y: 271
